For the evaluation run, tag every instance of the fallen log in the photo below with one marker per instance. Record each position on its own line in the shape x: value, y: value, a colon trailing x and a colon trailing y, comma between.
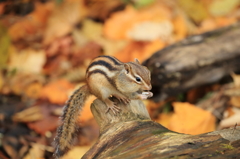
x: 197, y: 60
x: 132, y: 134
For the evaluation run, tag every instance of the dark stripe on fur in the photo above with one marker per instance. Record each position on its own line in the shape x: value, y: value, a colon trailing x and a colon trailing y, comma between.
x: 114, y: 60
x: 103, y: 73
x: 102, y: 63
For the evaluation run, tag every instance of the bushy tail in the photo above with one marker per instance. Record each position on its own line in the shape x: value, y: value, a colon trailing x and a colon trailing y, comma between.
x: 67, y: 130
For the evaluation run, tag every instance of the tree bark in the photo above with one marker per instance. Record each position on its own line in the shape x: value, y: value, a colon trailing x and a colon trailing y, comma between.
x: 195, y: 61
x: 132, y: 134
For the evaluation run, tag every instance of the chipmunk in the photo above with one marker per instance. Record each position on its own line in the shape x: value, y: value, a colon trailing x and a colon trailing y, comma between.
x: 105, y: 76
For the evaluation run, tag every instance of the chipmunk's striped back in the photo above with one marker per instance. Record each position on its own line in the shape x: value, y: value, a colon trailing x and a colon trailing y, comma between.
x: 105, y: 65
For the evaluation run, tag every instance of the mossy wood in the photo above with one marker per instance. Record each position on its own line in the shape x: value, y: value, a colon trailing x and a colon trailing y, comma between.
x: 132, y: 134
x: 195, y: 61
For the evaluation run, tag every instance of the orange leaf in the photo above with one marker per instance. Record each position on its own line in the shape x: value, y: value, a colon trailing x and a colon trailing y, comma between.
x: 32, y: 23
x: 118, y: 25
x: 164, y: 119
x: 139, y: 50
x: 235, y: 101
x: 180, y: 27
x: 190, y: 119
x: 86, y: 113
x: 57, y: 92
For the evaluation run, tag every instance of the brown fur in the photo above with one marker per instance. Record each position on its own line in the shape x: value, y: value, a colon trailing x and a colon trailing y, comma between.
x: 67, y: 130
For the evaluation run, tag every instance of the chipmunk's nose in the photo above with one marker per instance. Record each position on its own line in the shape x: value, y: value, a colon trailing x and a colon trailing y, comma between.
x: 148, y: 87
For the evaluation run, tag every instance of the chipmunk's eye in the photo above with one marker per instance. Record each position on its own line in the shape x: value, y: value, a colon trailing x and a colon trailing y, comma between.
x: 138, y: 79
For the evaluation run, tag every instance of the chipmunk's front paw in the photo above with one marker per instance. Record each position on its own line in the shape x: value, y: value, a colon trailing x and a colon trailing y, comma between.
x: 145, y: 95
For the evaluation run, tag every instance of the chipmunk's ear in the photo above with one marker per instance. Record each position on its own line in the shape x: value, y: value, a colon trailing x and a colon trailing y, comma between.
x: 127, y: 68
x: 136, y: 60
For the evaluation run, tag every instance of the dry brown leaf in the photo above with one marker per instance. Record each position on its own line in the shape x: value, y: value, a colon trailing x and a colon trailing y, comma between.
x: 92, y: 31
x: 28, y: 115
x: 1, y: 81
x: 33, y: 90
x: 190, y: 119
x: 57, y: 91
x: 229, y: 121
x: 49, y: 121
x: 35, y: 152
x: 63, y: 19
x: 28, y: 60
x: 31, y: 24
x: 236, y: 79
x: 235, y: 101
x: 25, y: 84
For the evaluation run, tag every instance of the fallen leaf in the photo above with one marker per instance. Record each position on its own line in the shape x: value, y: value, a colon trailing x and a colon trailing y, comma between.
x: 92, y: 31
x: 232, y: 120
x: 86, y: 113
x: 194, y: 9
x: 235, y: 101
x: 49, y: 121
x: 35, y: 151
x: 190, y: 119
x: 33, y: 90
x: 27, y: 60
x: 32, y: 24
x: 76, y: 152
x: 118, y: 25
x: 139, y: 50
x: 28, y: 115
x: 1, y: 81
x: 180, y: 27
x: 164, y: 119
x: 26, y: 84
x: 5, y: 44
x: 155, y: 30
x: 63, y: 20
x: 236, y: 79
x: 57, y: 92
x: 222, y: 7
x: 100, y: 10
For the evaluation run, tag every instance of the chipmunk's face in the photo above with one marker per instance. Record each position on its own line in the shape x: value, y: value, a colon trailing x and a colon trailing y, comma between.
x: 138, y: 76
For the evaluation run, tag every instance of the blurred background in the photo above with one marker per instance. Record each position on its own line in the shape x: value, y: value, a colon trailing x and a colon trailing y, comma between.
x: 46, y: 45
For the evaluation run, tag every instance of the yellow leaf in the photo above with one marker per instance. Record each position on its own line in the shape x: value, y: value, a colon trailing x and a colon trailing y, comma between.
x: 76, y: 152
x: 190, y: 119
x: 195, y: 9
x: 222, y: 7
x: 1, y: 80
x: 236, y: 79
x: 164, y: 119
x: 5, y: 43
x: 36, y: 151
